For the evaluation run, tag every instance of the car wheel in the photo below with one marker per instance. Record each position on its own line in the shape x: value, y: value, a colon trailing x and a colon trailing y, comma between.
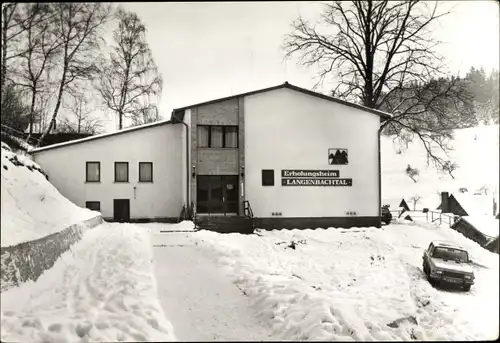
x: 467, y: 288
x: 425, y: 269
x: 387, y: 222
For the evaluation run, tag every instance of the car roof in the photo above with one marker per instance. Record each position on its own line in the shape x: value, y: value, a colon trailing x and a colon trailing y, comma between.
x: 446, y: 244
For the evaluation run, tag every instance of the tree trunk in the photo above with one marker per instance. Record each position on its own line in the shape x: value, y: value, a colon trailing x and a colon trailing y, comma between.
x: 369, y: 60
x: 4, y: 47
x: 79, y: 118
x: 58, y: 104
x: 32, y: 112
x: 124, y: 95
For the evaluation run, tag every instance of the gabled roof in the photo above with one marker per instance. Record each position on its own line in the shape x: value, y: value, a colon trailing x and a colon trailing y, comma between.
x: 104, y: 135
x: 179, y: 112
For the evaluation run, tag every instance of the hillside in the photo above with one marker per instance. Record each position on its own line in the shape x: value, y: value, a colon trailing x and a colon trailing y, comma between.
x: 31, y: 207
x: 475, y: 150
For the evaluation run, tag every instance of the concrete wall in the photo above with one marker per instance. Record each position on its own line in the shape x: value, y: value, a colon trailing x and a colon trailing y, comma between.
x: 162, y: 145
x: 215, y: 161
x: 28, y: 260
x: 212, y: 161
x: 219, y: 113
x: 286, y: 129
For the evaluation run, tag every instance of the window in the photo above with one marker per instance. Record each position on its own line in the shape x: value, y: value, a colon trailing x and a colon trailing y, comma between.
x: 121, y: 171
x: 231, y: 136
x: 203, y: 136
x: 267, y: 177
x: 216, y: 136
x: 93, y: 172
x: 450, y: 254
x: 145, y: 171
x: 93, y: 205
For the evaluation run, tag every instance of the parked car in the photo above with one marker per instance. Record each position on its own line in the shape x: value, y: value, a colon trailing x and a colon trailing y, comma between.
x: 386, y: 215
x: 448, y: 263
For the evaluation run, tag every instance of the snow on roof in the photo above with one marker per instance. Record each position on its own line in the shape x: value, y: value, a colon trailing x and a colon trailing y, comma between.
x: 475, y: 205
x: 76, y: 141
x: 446, y: 243
x: 487, y: 225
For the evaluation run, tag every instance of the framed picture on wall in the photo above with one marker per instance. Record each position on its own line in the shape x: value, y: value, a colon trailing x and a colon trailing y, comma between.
x: 337, y: 156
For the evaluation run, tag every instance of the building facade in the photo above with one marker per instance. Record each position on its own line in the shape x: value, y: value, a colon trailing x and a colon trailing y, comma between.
x: 299, y: 158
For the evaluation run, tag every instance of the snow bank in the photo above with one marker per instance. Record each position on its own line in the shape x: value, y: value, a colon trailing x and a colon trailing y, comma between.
x: 358, y: 284
x: 102, y: 290
x: 31, y: 207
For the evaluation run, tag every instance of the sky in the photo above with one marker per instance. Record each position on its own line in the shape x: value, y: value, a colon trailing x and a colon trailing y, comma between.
x: 208, y: 50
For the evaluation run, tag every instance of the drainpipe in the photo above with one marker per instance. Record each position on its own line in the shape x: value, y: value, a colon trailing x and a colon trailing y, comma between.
x: 187, y: 158
x: 379, y: 180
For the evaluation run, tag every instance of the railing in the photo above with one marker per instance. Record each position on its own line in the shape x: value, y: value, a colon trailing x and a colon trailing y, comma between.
x: 430, y: 216
x: 19, y: 135
x: 247, y: 209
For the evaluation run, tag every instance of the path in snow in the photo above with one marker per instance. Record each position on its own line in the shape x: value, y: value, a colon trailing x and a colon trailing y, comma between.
x: 198, y: 297
x: 101, y: 290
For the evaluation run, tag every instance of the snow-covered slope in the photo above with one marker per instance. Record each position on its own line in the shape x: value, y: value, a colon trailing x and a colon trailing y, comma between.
x: 31, y: 207
x: 475, y: 150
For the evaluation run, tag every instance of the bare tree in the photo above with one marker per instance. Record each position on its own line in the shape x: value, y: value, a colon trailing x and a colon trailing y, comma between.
x: 85, y: 122
x: 79, y: 26
x: 40, y: 46
x: 376, y: 49
x: 149, y: 114
x: 450, y: 167
x: 415, y: 199
x: 132, y: 78
x: 13, y: 28
x: 14, y: 112
x: 412, y: 173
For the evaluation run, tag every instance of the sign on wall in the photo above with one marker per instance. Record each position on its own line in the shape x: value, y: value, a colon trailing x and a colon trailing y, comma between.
x: 309, y: 173
x: 316, y: 182
x: 313, y: 178
x: 337, y: 156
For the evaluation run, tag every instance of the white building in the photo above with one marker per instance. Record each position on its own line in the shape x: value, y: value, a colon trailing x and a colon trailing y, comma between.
x: 296, y: 157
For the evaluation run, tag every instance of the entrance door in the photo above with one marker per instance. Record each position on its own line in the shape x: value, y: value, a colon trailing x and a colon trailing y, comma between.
x: 121, y: 210
x: 217, y: 194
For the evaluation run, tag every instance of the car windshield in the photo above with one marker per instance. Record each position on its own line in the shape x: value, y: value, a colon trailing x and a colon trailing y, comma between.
x: 450, y: 254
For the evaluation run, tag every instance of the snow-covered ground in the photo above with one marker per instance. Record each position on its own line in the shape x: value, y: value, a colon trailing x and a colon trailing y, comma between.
x: 350, y: 284
x: 475, y: 150
x: 31, y: 207
x: 198, y: 297
x: 102, y: 290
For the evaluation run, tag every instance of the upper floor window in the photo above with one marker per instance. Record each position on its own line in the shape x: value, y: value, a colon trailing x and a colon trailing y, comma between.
x: 216, y: 136
x: 93, y: 172
x: 145, y: 171
x: 121, y: 171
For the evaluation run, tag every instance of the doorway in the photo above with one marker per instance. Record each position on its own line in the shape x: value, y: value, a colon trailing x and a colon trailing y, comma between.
x: 217, y: 194
x: 121, y: 210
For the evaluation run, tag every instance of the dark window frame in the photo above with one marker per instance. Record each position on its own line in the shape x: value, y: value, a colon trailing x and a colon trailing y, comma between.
x: 267, y: 177
x: 128, y: 172
x: 93, y: 202
x: 87, y: 171
x: 147, y: 181
x: 223, y: 136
